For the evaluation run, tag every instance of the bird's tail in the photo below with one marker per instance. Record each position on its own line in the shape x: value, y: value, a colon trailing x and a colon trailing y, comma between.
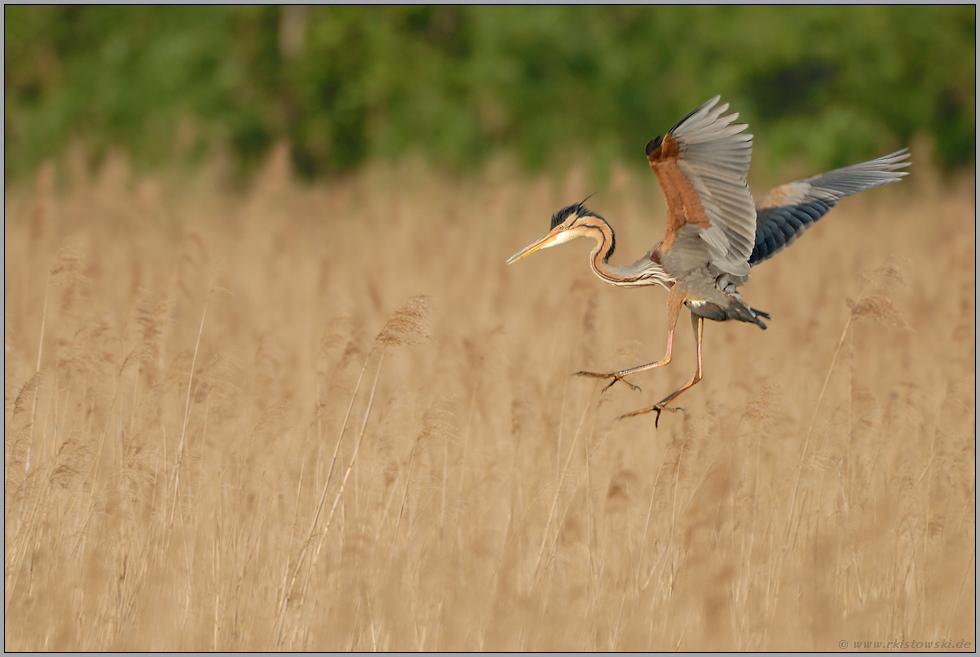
x: 734, y: 308
x: 760, y: 313
x: 738, y: 309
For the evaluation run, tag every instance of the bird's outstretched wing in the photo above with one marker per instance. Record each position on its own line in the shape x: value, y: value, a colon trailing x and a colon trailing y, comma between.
x: 785, y: 212
x: 701, y: 165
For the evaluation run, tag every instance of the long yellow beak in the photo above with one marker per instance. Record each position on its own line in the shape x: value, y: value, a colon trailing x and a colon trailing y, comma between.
x: 543, y: 243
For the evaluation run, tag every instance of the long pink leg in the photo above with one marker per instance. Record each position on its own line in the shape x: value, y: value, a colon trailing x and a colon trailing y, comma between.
x: 697, y: 322
x: 618, y: 376
x: 674, y: 300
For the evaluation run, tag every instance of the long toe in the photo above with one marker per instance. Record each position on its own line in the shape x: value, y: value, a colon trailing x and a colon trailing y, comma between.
x: 615, y: 376
x: 657, y: 408
x: 672, y: 409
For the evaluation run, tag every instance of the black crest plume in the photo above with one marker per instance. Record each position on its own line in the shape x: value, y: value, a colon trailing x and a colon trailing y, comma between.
x: 576, y: 209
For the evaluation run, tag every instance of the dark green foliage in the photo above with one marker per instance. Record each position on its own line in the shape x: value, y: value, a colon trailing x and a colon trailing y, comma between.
x: 455, y: 84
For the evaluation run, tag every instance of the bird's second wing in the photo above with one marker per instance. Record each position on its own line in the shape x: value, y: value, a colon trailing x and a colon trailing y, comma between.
x: 701, y: 165
x: 785, y: 212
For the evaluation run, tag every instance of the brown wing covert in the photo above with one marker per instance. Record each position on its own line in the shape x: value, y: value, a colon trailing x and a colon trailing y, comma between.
x: 701, y: 165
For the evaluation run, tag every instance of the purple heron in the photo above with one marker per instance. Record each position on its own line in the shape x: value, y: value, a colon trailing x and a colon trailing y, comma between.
x: 715, y: 233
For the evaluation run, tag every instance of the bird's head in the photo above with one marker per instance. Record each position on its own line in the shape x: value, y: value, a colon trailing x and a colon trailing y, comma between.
x: 567, y: 224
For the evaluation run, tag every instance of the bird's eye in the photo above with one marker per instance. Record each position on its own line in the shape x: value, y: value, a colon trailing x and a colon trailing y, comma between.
x: 560, y: 226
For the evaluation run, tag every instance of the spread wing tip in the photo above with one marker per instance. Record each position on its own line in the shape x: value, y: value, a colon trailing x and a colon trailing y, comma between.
x: 894, y: 161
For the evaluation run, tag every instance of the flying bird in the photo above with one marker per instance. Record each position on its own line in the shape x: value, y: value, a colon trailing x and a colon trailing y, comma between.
x: 715, y: 233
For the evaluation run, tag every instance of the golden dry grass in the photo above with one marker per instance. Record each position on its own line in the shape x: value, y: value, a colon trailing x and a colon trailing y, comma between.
x: 231, y: 422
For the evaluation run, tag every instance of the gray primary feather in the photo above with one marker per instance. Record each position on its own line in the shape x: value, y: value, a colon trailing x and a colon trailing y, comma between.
x: 785, y: 212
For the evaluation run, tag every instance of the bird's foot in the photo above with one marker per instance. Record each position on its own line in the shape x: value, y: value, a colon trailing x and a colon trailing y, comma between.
x: 659, y: 408
x: 615, y: 376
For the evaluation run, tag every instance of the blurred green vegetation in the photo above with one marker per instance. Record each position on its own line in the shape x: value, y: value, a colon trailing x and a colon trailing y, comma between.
x: 458, y: 84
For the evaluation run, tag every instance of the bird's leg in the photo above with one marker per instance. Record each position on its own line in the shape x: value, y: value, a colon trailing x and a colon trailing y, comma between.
x: 674, y: 300
x: 618, y: 376
x: 698, y: 323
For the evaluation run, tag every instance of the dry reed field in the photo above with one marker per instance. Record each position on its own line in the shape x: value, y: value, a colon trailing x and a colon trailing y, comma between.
x: 329, y: 417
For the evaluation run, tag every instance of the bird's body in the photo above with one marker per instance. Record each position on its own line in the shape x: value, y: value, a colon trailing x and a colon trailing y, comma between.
x: 715, y: 233
x: 706, y: 297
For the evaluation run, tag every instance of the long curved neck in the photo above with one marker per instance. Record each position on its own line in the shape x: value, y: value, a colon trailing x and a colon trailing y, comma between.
x: 642, y: 272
